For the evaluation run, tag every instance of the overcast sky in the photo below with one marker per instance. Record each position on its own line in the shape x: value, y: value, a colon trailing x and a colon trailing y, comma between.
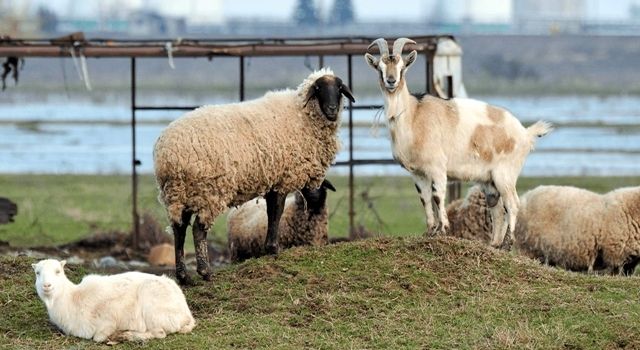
x: 366, y: 10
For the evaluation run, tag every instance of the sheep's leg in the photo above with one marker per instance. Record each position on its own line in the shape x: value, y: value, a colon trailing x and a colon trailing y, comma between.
x: 438, y: 202
x: 425, y: 191
x: 179, y: 234
x: 200, y: 230
x: 275, y: 207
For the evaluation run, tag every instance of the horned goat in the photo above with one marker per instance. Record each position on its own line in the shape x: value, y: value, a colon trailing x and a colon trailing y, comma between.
x: 130, y: 306
x: 221, y: 156
x: 459, y: 138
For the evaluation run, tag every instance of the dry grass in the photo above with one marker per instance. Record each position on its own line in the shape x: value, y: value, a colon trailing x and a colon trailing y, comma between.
x: 381, y: 293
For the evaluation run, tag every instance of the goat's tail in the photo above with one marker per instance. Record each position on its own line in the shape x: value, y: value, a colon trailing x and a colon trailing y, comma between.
x: 539, y: 129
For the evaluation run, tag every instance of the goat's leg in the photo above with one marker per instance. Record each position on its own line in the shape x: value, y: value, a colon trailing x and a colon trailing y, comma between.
x: 179, y: 233
x: 438, y: 202
x: 425, y: 191
x: 497, y: 211
x: 275, y: 207
x: 200, y: 229
x: 510, y: 200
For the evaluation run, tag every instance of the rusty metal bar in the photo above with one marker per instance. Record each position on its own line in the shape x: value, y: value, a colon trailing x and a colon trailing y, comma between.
x: 201, y: 48
x: 134, y: 161
x: 351, y: 189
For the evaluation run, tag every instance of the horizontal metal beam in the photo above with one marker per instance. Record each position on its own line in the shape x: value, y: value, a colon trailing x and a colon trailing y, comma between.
x: 188, y: 108
x: 200, y: 48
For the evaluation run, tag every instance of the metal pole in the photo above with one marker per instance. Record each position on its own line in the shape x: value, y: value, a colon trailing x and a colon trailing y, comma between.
x: 429, y: 72
x: 134, y: 161
x: 241, y: 78
x: 455, y: 188
x: 320, y: 61
x: 351, y: 194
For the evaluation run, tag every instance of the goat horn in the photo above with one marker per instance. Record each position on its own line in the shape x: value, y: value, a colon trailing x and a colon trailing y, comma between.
x: 399, y: 44
x: 382, y: 45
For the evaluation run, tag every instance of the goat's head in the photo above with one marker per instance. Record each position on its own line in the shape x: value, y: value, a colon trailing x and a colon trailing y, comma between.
x: 391, y: 67
x: 328, y: 90
x: 317, y: 198
x: 50, y: 277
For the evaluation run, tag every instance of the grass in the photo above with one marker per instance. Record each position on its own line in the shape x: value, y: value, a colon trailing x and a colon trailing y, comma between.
x: 56, y: 209
x: 378, y: 293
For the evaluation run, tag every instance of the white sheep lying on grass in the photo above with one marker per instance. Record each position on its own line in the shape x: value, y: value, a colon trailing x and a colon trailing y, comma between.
x: 127, y: 306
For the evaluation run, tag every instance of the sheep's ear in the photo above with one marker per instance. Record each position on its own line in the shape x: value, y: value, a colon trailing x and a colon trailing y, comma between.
x: 310, y: 93
x: 411, y: 57
x: 371, y: 60
x: 347, y: 92
x: 63, y: 262
x: 328, y: 185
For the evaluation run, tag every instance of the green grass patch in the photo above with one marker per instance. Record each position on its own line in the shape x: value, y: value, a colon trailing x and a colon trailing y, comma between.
x: 56, y: 209
x: 378, y: 293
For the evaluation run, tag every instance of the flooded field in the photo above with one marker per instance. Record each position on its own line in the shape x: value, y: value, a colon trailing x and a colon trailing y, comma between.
x: 593, y: 136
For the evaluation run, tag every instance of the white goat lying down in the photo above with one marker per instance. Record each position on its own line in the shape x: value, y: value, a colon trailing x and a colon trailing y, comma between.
x: 460, y: 138
x: 128, y: 306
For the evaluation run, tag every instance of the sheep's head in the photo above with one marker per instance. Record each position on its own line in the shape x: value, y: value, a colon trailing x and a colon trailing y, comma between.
x: 391, y: 67
x: 317, y: 198
x: 49, y: 277
x: 328, y: 90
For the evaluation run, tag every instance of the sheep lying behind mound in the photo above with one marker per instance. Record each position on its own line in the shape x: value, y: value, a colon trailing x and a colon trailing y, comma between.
x: 221, y: 156
x: 581, y: 230
x: 304, y: 222
x: 566, y: 226
x: 470, y: 217
x: 129, y: 306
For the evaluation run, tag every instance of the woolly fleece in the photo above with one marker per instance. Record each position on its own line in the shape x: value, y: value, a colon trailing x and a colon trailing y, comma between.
x: 247, y: 227
x: 573, y: 227
x: 221, y: 156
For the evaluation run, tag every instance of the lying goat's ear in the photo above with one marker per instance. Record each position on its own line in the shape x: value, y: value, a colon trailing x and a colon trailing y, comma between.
x: 33, y: 266
x: 371, y: 60
x: 347, y: 92
x: 410, y: 59
x: 310, y: 93
x: 63, y: 262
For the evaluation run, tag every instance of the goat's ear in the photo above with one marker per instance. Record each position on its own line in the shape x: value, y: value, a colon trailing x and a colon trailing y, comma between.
x: 410, y: 59
x: 328, y: 185
x: 371, y: 60
x: 33, y: 266
x: 310, y: 93
x: 63, y: 262
x: 347, y: 92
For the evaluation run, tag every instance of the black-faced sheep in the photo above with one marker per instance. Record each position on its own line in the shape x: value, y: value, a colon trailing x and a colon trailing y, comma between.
x: 221, y: 156
x: 304, y: 221
x: 459, y: 138
x: 129, y: 306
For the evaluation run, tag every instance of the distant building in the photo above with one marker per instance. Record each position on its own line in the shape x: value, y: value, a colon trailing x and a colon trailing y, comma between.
x: 549, y: 16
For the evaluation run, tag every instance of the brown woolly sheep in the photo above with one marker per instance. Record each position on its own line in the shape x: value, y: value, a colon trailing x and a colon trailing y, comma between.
x: 221, y: 156
x: 305, y: 221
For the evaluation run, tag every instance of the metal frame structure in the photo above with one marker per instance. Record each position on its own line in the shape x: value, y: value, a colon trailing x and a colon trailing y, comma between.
x: 75, y: 45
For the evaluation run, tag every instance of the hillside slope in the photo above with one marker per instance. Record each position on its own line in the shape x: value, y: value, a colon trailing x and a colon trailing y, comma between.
x: 382, y: 293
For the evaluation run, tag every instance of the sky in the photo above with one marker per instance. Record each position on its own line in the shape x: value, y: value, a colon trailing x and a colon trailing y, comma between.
x: 366, y: 10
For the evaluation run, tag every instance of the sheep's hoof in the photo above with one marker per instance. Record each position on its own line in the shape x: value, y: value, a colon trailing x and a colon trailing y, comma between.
x: 185, y: 280
x: 207, y: 276
x: 272, y: 249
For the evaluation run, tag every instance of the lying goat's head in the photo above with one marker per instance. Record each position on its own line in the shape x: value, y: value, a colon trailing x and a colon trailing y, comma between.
x: 49, y: 277
x: 391, y: 67
x: 328, y: 90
